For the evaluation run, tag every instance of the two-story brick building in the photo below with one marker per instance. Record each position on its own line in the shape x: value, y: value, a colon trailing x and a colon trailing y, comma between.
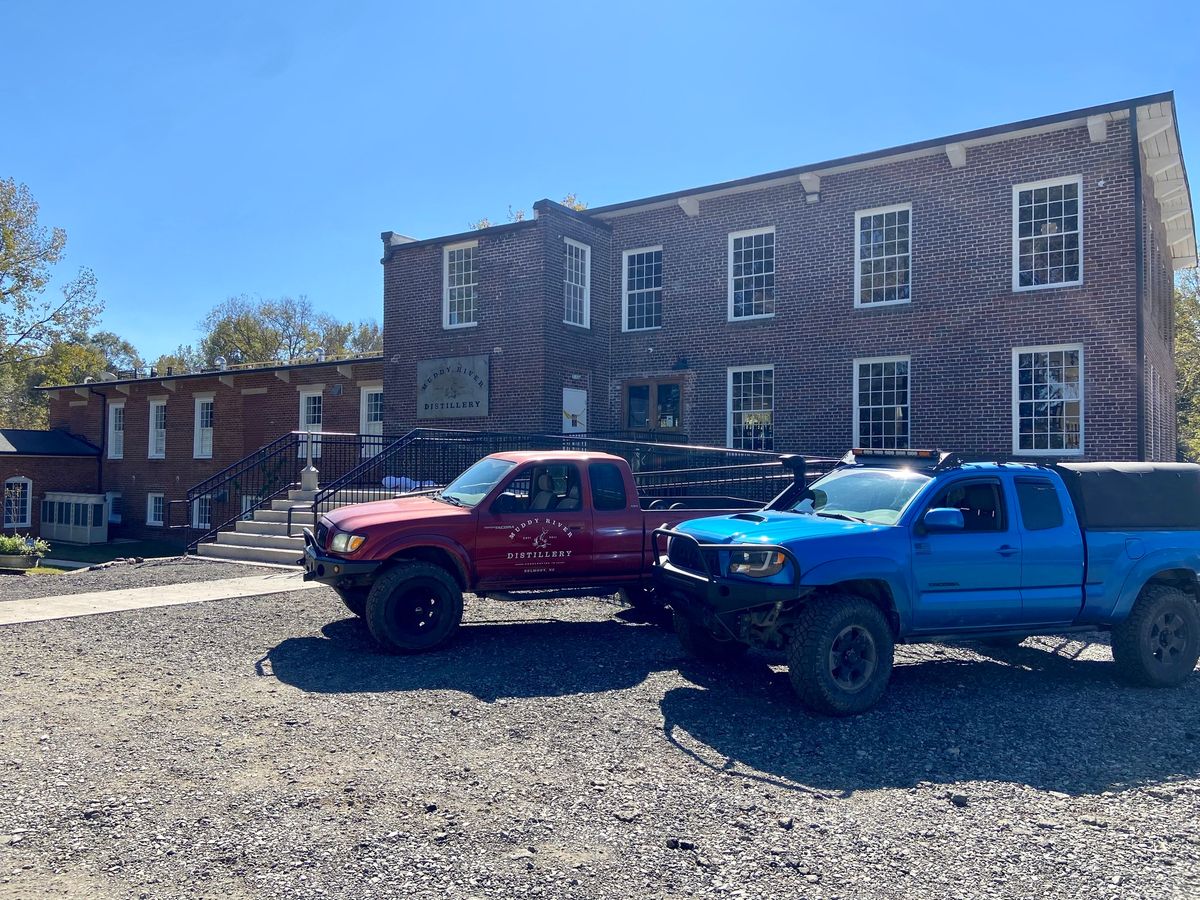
x: 1006, y: 291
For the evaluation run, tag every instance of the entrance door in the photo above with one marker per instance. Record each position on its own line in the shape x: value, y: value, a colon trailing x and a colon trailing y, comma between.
x: 574, y: 410
x: 312, y: 413
x: 538, y: 530
x: 969, y: 578
x: 370, y: 418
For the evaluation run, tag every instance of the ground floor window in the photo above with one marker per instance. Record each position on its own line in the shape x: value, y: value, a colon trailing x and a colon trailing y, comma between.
x: 17, y: 499
x: 751, y: 408
x: 202, y: 512
x: 155, y: 509
x: 654, y: 405
x: 1048, y: 400
x: 881, y: 403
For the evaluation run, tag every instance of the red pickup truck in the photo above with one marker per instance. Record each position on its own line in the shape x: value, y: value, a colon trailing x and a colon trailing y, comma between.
x: 545, y: 523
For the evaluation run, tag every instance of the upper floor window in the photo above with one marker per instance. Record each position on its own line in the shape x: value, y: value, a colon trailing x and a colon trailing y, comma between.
x: 882, y: 256
x: 202, y: 443
x: 459, y: 280
x: 641, y: 296
x: 881, y: 403
x: 751, y: 423
x: 116, y: 430
x: 158, y: 430
x: 1047, y: 234
x: 577, y: 288
x: 752, y: 274
x: 1048, y: 400
x: 18, y: 493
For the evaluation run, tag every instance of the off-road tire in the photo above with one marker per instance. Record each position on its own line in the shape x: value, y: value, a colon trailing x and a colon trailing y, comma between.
x: 815, y: 664
x: 701, y: 643
x: 355, y: 599
x: 1158, y: 645
x: 414, y: 607
x: 641, y: 598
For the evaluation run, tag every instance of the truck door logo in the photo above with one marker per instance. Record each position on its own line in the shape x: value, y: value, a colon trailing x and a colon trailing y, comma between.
x: 543, y: 539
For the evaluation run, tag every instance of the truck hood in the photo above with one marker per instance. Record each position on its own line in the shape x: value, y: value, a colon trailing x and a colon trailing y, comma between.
x: 397, y: 513
x: 768, y: 527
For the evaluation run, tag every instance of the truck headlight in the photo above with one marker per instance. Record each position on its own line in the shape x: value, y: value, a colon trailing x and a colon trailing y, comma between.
x: 344, y: 542
x: 756, y: 563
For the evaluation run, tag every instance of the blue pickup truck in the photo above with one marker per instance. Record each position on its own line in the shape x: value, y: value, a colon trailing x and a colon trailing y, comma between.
x: 908, y: 546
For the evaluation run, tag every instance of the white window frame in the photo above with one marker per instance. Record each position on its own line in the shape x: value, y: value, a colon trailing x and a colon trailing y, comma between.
x: 198, y: 451
x: 27, y: 522
x: 729, y: 399
x: 625, y: 292
x: 859, y: 215
x: 115, y: 452
x: 881, y: 359
x: 365, y: 391
x: 150, y: 520
x: 587, y: 282
x: 446, y: 250
x: 196, y: 522
x: 1016, y: 239
x: 733, y: 235
x: 1016, y: 403
x: 304, y: 426
x: 151, y: 451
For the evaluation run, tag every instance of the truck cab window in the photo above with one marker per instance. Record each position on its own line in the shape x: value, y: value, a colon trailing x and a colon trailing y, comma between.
x: 540, y: 489
x: 608, y: 487
x: 1040, y: 506
x: 980, y: 502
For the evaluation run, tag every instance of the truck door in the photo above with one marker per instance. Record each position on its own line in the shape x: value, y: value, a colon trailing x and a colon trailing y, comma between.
x: 969, y: 578
x: 536, y: 531
x: 618, y: 523
x: 1052, y: 554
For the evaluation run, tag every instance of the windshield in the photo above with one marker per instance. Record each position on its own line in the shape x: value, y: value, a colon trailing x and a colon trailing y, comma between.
x: 474, y: 484
x: 870, y: 495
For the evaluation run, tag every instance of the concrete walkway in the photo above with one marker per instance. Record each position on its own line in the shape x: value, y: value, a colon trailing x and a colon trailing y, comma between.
x: 40, y: 609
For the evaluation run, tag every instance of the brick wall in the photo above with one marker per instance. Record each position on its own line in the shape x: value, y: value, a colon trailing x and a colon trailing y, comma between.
x: 48, y: 473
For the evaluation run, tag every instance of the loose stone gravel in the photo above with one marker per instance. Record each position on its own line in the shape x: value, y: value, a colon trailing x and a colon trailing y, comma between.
x: 120, y: 575
x: 263, y: 747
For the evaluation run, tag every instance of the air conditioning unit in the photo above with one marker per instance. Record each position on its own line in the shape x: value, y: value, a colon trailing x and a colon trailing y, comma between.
x: 75, y: 518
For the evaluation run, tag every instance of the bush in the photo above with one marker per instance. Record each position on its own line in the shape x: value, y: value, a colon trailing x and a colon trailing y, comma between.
x: 23, y: 545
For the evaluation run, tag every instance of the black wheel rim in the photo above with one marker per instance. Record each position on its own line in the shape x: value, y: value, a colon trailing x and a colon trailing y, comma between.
x: 853, y: 658
x: 416, y: 612
x: 1168, y: 638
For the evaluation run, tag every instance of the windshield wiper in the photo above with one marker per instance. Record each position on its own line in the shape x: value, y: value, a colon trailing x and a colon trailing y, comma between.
x: 833, y: 515
x: 447, y: 498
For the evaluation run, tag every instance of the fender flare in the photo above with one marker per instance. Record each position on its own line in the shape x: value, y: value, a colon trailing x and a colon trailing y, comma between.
x: 1143, y: 570
x: 457, y: 553
x: 866, y: 568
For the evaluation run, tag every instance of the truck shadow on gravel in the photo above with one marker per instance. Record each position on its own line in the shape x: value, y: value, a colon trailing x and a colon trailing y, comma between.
x: 1023, y: 716
x: 490, y: 660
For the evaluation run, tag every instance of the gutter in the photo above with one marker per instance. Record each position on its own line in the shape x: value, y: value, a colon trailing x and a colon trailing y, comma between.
x: 103, y: 439
x: 1139, y: 281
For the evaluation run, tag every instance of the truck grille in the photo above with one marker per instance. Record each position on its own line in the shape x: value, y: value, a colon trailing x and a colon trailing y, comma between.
x: 686, y: 554
x: 322, y: 534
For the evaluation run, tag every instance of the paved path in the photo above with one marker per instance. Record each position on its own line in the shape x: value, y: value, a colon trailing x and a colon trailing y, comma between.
x: 68, y: 605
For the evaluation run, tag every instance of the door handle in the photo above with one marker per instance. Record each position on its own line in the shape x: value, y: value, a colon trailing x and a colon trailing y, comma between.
x: 1007, y: 550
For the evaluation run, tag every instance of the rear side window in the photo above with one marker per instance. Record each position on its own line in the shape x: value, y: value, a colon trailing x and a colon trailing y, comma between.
x: 1040, y: 507
x: 608, y: 486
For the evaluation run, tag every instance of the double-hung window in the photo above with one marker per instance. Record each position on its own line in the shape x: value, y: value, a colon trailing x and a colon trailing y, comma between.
x: 460, y: 308
x: 577, y: 285
x: 751, y: 408
x: 881, y: 403
x: 882, y: 256
x: 642, y: 289
x: 752, y: 274
x: 1048, y: 400
x: 158, y: 430
x: 18, y: 499
x: 312, y: 417
x: 1048, y: 234
x: 116, y: 430
x: 202, y: 512
x: 370, y: 415
x: 156, y: 506
x: 202, y: 438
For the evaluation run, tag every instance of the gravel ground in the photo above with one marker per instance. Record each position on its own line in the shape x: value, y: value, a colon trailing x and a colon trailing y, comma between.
x: 19, y: 586
x: 262, y: 747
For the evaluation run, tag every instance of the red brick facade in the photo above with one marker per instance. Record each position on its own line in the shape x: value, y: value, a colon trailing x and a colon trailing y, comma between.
x: 47, y: 473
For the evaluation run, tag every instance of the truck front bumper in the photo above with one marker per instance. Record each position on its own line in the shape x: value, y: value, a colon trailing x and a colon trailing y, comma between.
x: 334, y: 570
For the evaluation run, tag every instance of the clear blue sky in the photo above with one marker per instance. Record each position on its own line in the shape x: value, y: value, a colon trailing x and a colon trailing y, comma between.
x: 196, y: 151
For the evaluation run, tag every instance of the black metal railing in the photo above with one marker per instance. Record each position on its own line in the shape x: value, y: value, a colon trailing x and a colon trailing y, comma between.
x: 268, y: 474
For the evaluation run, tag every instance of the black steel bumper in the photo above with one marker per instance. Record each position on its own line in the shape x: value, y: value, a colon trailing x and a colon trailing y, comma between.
x: 334, y: 570
x: 707, y: 593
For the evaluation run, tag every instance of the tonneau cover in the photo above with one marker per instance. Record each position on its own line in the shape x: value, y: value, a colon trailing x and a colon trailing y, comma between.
x: 1130, y: 496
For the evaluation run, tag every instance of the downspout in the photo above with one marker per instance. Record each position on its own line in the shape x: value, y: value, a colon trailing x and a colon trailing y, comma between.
x: 103, y: 439
x: 1139, y: 264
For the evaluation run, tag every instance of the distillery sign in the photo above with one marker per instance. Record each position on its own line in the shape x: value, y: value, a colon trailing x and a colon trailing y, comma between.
x: 452, y: 388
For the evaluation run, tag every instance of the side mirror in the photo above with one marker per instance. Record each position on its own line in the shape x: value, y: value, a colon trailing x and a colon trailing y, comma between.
x: 507, y: 504
x: 943, y: 519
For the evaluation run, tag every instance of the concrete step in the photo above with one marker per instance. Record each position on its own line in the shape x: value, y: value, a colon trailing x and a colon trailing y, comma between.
x: 291, y: 504
x: 274, y: 528
x: 275, y: 541
x: 281, y: 515
x: 249, y: 554
x: 302, y: 496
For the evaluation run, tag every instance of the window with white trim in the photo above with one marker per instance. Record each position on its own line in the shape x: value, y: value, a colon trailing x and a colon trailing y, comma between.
x: 370, y: 415
x: 202, y: 439
x: 752, y: 273
x: 459, y: 281
x: 202, y: 512
x: 156, y: 507
x: 1047, y: 384
x: 312, y: 418
x: 751, y: 408
x: 641, y: 295
x: 882, y: 257
x: 18, y: 500
x: 881, y: 403
x: 116, y: 430
x: 577, y: 286
x: 158, y: 430
x: 1048, y: 234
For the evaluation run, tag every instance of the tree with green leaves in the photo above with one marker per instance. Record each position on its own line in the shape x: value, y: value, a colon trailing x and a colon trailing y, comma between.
x: 571, y: 201
x: 1187, y: 362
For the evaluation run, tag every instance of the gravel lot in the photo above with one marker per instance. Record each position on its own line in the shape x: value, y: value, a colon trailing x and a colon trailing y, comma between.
x: 263, y: 748
x: 18, y: 586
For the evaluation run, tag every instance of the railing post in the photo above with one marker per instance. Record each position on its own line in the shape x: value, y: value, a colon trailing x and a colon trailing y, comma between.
x: 309, y: 475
